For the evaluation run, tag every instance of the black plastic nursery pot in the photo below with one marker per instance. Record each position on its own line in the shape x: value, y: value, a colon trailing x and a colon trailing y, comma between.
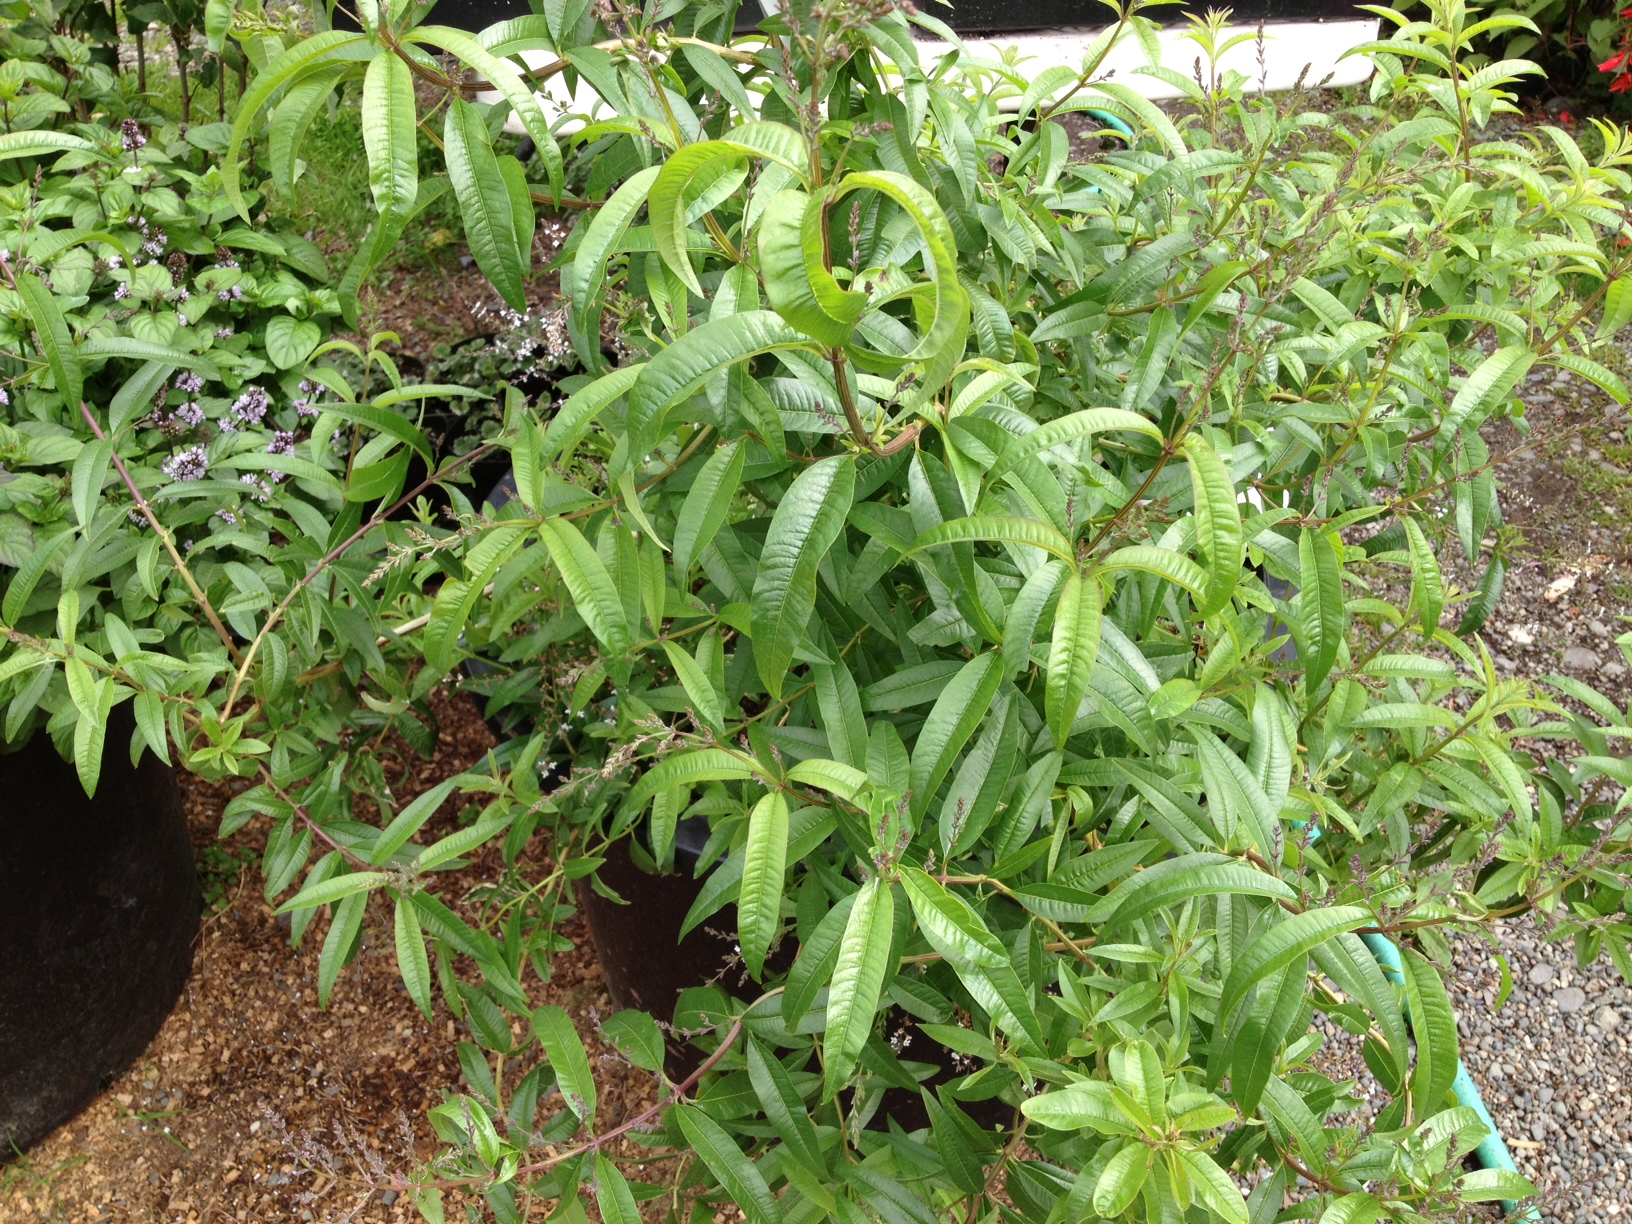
x: 99, y: 909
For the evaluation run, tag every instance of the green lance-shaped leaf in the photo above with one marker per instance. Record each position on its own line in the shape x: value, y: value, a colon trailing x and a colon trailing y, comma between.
x: 1287, y: 942
x: 413, y: 964
x: 408, y: 822
x: 759, y: 904
x: 788, y: 275
x: 690, y: 769
x: 963, y: 703
x: 485, y: 203
x: 858, y: 980
x: 700, y: 691
x: 1494, y: 378
x: 1020, y: 625
x: 382, y: 236
x: 682, y: 368
x: 707, y: 504
x: 295, y: 113
x: 334, y: 889
x: 1213, y: 1187
x: 582, y: 407
x: 346, y: 921
x: 997, y: 529
x: 582, y: 279
x: 1149, y: 368
x: 1427, y: 582
x: 593, y: 593
x: 55, y: 340
x: 817, y: 956
x: 612, y: 1194
x: 90, y: 470
x: 1347, y: 962
x: 39, y: 143
x: 781, y: 1103
x: 565, y: 1049
x: 738, y: 1175
x: 390, y: 135
x: 306, y: 56
x: 1122, y: 1179
x: 1218, y: 523
x: 458, y: 597
x: 1164, y: 563
x: 941, y: 345
x: 839, y: 702
x: 951, y: 926
x: 1176, y: 880
x: 668, y: 200
x: 1069, y: 428
x: 503, y: 77
x: 808, y: 520
x: 1071, y: 653
x: 1320, y: 605
x: 1083, y: 1104
x: 1433, y: 1022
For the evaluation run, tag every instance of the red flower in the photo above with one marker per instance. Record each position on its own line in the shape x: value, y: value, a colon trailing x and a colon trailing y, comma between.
x: 1627, y: 11
x: 1622, y: 83
x: 1613, y: 63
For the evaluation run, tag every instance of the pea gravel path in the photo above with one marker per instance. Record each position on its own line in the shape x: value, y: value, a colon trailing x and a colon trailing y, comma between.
x: 1555, y: 1067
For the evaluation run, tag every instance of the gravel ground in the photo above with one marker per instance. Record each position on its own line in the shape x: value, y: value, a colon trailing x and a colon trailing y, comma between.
x: 1554, y: 1066
x: 1553, y: 1062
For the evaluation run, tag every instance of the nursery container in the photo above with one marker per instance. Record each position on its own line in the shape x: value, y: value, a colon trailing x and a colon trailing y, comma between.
x: 99, y: 908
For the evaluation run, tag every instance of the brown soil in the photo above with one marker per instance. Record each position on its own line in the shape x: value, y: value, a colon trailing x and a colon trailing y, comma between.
x: 253, y: 1104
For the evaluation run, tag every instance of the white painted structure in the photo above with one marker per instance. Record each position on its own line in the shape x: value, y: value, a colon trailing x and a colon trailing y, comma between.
x: 1312, y: 50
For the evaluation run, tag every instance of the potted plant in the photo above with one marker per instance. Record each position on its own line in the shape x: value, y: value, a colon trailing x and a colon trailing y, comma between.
x: 171, y: 466
x: 930, y: 543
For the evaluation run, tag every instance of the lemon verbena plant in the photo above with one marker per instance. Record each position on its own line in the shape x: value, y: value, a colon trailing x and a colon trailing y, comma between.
x: 1038, y: 566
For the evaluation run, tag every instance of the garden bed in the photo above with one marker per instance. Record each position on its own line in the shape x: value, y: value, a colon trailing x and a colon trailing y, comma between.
x: 254, y: 1104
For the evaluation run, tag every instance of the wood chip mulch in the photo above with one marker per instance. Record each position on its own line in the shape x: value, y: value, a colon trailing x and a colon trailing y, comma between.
x: 254, y: 1104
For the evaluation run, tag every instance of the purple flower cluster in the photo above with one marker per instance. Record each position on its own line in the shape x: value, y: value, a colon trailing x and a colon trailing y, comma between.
x: 283, y: 442
x: 133, y: 138
x: 121, y: 292
x: 249, y: 409
x: 190, y: 464
x: 5, y: 397
x: 189, y: 414
x: 304, y: 405
x: 189, y: 381
x: 232, y: 293
x: 260, y: 489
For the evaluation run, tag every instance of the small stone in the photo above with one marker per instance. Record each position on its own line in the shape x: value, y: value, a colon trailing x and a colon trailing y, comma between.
x: 1521, y: 636
x: 1614, y: 671
x: 1579, y: 658
x: 1598, y: 627
x: 1541, y: 974
x: 1545, y: 1095
x: 1607, y: 1018
x: 1570, y: 1000
x: 388, y: 1198
x: 1538, y: 1131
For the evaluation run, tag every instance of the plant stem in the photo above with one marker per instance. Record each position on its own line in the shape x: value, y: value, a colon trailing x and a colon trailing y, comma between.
x: 333, y: 555
x: 169, y: 543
